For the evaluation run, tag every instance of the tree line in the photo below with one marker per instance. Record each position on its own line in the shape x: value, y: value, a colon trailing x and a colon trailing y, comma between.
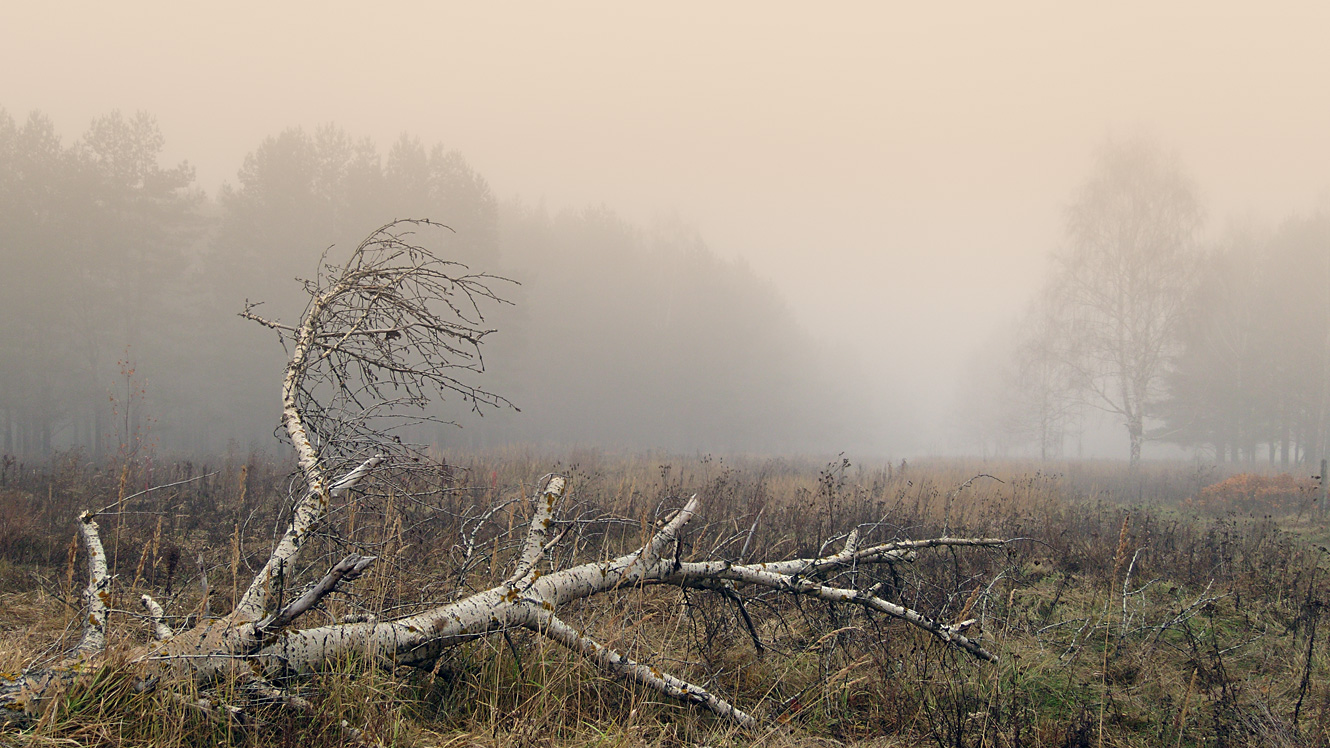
x: 1220, y: 345
x: 124, y: 280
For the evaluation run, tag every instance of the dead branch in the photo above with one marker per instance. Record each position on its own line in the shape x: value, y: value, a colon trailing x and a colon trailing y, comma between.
x: 532, y: 600
x: 549, y: 625
x: 310, y: 510
x: 346, y: 570
x: 535, y: 548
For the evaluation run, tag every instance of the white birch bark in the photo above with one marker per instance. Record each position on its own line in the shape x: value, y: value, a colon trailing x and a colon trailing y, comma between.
x: 417, y: 639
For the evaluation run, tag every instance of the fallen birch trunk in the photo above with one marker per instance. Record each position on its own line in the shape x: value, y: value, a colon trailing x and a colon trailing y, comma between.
x: 527, y: 599
x: 369, y: 316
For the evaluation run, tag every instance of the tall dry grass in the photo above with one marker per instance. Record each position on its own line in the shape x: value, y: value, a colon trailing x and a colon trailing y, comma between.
x: 1120, y: 618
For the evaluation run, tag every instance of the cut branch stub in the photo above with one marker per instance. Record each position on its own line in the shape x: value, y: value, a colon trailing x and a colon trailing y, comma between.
x: 549, y: 625
x: 98, y: 591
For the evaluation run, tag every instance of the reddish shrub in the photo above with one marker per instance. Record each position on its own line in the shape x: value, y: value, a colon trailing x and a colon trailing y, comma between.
x: 1250, y: 493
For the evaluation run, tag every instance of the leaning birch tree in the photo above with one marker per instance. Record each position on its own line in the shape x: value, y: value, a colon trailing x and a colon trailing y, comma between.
x: 392, y: 328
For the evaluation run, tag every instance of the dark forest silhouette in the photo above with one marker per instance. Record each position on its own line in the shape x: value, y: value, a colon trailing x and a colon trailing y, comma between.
x: 124, y: 281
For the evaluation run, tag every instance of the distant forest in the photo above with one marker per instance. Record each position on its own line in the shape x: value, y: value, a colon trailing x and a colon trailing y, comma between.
x: 123, y: 280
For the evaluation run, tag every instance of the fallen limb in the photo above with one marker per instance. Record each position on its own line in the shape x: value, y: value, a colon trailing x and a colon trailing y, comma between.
x: 532, y: 600
x: 548, y: 625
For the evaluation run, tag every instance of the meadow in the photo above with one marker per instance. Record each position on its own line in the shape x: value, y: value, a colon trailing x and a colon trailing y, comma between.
x: 1175, y: 606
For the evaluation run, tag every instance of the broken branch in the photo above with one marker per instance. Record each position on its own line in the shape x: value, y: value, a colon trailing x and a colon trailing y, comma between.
x: 346, y: 570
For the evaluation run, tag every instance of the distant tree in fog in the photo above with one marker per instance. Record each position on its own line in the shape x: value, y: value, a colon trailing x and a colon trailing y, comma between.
x: 1123, y: 280
x: 420, y: 181
x: 34, y: 212
x: 1018, y: 391
x: 992, y: 410
x: 1296, y: 339
x: 644, y: 337
x: 1045, y: 384
x: 1256, y: 347
x: 296, y: 190
x: 1220, y: 380
x: 134, y: 231
x: 299, y: 190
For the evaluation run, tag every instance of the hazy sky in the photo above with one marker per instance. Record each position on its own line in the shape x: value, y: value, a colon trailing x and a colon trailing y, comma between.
x: 897, y: 170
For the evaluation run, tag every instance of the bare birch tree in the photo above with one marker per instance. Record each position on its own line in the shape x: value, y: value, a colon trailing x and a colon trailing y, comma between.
x: 395, y: 326
x: 1123, y: 279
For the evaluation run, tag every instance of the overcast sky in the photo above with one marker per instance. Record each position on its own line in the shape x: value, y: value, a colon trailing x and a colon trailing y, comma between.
x: 897, y: 170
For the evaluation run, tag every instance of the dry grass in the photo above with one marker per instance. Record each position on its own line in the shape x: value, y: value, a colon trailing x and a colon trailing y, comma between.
x: 1121, y: 621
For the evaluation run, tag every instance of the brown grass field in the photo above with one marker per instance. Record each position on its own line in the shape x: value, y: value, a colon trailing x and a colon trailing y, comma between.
x: 1177, y: 607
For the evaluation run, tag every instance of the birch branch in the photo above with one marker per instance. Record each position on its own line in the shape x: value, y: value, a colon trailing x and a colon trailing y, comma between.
x: 540, y: 525
x: 900, y: 550
x: 419, y: 638
x: 346, y: 570
x: 698, y: 574
x: 470, y: 546
x: 349, y: 481
x: 158, y: 618
x: 549, y: 625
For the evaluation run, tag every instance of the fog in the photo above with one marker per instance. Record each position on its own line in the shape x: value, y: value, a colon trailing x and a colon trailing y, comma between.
x: 886, y: 185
